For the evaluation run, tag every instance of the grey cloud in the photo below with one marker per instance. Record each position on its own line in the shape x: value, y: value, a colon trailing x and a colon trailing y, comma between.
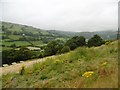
x: 68, y: 15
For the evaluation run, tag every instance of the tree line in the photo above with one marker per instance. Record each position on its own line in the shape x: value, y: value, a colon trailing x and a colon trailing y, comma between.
x: 52, y: 48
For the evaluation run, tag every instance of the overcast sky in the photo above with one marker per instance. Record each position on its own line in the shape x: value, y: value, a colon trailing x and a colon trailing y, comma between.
x: 67, y: 15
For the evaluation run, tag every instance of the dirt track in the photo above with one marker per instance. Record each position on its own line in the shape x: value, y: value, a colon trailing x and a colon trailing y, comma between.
x: 15, y: 68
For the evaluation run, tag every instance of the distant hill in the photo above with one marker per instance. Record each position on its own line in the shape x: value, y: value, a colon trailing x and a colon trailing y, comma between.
x: 23, y: 35
x: 107, y: 35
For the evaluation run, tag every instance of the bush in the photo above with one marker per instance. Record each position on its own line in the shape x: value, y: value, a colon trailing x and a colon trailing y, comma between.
x: 75, y: 42
x: 53, y: 47
x: 96, y: 40
x: 65, y: 49
x: 9, y: 56
x: 107, y: 42
x: 13, y: 45
x: 40, y: 55
x: 23, y: 54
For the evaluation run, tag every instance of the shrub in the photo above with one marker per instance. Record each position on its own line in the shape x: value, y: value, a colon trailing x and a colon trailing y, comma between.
x: 13, y: 45
x: 8, y: 56
x: 65, y: 49
x: 107, y: 43
x: 75, y: 42
x: 40, y: 55
x: 96, y: 40
x: 23, y: 54
x: 12, y: 55
x: 53, y: 47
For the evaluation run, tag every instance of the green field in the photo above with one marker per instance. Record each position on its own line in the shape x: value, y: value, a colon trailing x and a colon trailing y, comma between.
x: 14, y: 37
x: 22, y: 43
x: 94, y: 67
x: 18, y: 43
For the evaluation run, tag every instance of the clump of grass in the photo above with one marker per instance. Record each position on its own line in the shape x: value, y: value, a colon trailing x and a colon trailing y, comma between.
x: 43, y: 77
x: 22, y: 70
x: 108, y: 42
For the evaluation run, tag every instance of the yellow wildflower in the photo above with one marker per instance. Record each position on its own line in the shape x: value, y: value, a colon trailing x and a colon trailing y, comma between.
x: 103, y: 64
x: 88, y: 74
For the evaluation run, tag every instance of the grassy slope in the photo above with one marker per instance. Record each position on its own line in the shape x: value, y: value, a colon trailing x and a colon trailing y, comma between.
x: 66, y: 70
